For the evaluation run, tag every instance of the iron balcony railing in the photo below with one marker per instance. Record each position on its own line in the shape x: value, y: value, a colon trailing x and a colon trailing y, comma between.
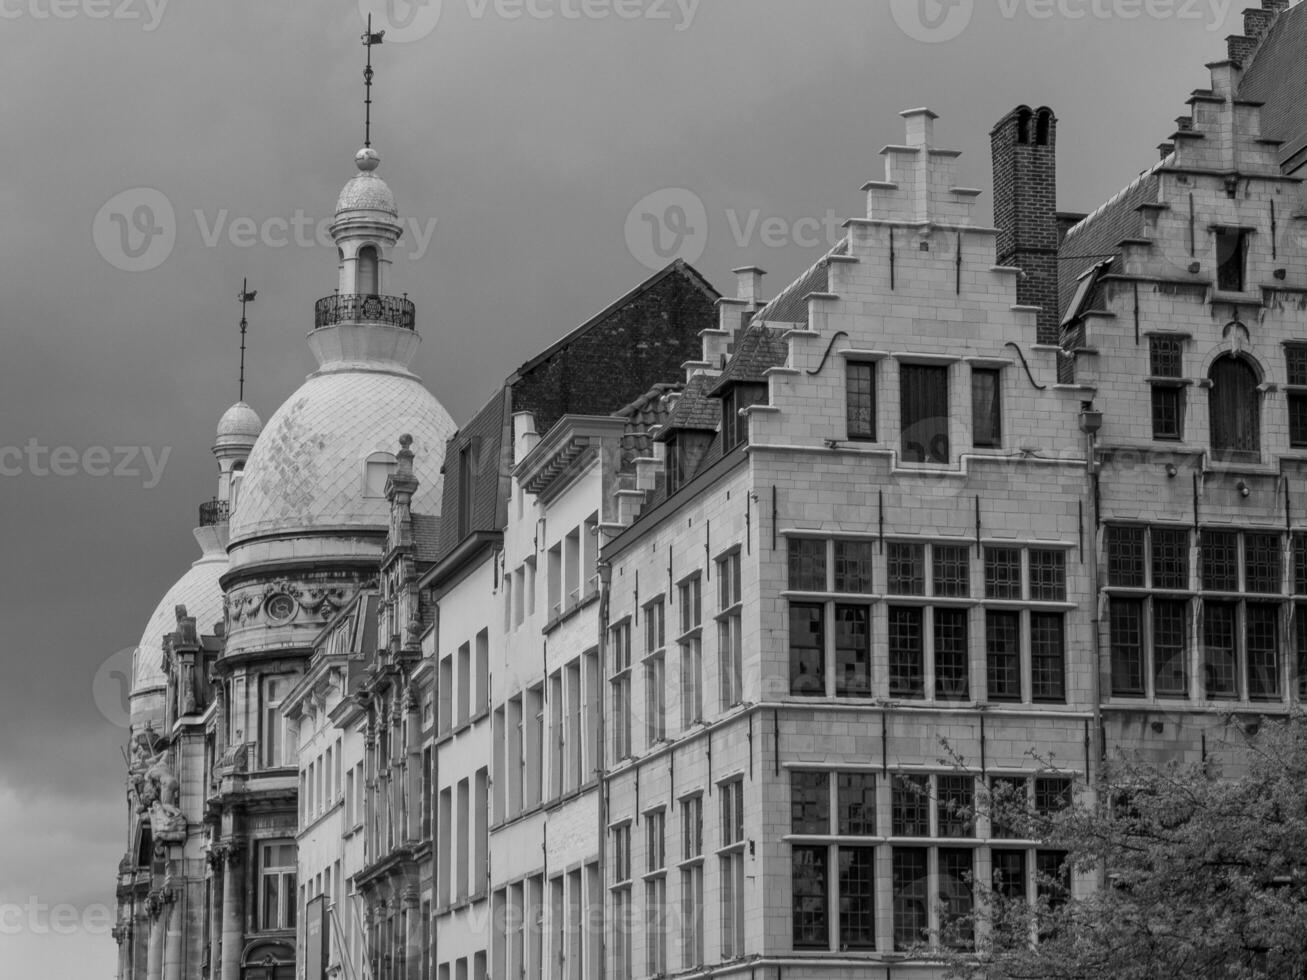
x: 395, y: 311
x: 214, y: 512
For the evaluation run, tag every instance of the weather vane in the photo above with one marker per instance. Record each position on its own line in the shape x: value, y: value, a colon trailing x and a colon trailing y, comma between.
x: 247, y: 296
x: 369, y: 39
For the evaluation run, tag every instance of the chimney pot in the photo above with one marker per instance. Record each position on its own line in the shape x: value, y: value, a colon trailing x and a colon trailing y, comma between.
x: 749, y: 284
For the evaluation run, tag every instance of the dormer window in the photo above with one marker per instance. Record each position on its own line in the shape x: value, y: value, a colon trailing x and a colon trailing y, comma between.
x: 685, y: 451
x: 376, y: 470
x: 1231, y: 259
x: 735, y: 426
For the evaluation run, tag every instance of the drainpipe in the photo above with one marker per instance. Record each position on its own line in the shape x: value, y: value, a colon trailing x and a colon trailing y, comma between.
x: 1091, y: 422
x: 605, y: 593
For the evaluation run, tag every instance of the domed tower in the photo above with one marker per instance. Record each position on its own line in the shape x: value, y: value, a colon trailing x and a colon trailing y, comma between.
x: 311, y: 515
x: 308, y: 531
x: 199, y: 589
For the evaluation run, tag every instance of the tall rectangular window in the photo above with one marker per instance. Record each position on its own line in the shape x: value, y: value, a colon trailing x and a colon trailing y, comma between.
x: 952, y: 664
x: 1165, y: 356
x: 1231, y: 259
x: 911, y: 896
x: 986, y: 408
x: 730, y: 646
x: 852, y: 651
x: 692, y: 882
x: 655, y: 909
x: 924, y: 413
x: 907, y: 661
x: 732, y: 869
x: 690, y: 602
x: 656, y: 892
x: 1047, y: 657
x: 277, y: 887
x: 860, y: 400
x: 807, y: 649
x: 857, y: 884
x: 273, y: 690
x: 655, y: 698
x: 620, y: 655
x: 1295, y: 356
x: 811, y: 914
x: 956, y: 873
x: 1003, y: 655
x: 1220, y: 656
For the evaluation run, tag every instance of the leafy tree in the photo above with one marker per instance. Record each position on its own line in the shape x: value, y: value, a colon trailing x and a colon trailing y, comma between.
x: 1200, y: 877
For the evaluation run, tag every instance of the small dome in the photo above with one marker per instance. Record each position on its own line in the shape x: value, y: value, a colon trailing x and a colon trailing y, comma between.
x: 198, y: 590
x: 367, y: 192
x: 239, y: 425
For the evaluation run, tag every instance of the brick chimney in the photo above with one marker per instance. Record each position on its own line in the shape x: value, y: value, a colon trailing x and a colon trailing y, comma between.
x: 1024, y: 146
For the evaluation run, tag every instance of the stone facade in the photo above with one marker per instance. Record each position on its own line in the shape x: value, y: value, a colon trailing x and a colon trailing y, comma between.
x: 697, y: 649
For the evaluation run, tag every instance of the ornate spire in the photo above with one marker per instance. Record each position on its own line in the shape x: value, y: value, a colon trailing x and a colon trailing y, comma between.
x: 247, y: 296
x: 369, y: 39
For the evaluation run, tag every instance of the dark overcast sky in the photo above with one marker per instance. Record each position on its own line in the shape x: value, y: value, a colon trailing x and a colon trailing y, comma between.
x: 528, y: 141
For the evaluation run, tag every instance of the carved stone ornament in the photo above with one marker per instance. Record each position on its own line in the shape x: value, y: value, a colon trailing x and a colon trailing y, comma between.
x: 324, y: 602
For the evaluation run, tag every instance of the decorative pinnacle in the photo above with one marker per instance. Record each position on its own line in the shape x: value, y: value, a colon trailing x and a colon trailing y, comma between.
x: 369, y: 39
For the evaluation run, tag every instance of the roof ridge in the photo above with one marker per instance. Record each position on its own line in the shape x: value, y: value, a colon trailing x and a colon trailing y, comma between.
x: 840, y: 248
x: 1124, y: 192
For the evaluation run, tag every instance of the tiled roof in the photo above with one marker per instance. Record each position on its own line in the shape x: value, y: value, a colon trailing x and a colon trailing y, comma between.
x: 646, y: 413
x: 484, y: 440
x: 758, y: 349
x: 1277, y: 77
x: 791, y: 306
x: 694, y: 409
x: 1098, y: 236
x: 426, y: 537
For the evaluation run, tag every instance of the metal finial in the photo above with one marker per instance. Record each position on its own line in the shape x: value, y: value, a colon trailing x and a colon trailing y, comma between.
x: 247, y: 296
x: 369, y: 39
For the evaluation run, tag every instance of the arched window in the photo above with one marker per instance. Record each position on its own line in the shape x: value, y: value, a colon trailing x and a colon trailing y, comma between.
x: 378, y: 467
x: 369, y: 282
x: 1234, y: 404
